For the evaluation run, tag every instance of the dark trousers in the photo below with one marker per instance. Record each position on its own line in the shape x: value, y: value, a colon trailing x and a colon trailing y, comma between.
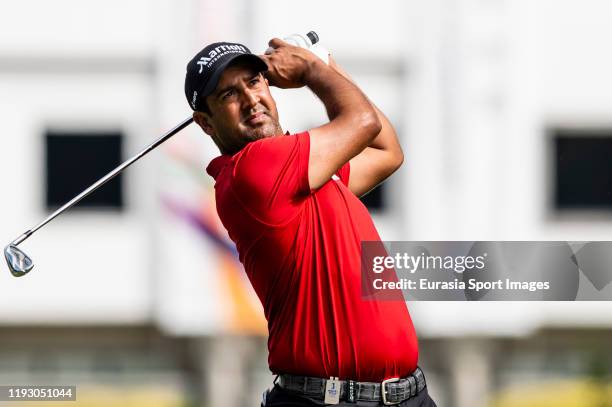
x: 278, y: 397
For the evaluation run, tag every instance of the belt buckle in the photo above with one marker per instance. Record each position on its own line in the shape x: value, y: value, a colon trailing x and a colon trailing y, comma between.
x: 383, y: 390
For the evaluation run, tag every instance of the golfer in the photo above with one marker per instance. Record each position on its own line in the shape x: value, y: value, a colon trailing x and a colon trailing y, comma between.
x: 289, y: 203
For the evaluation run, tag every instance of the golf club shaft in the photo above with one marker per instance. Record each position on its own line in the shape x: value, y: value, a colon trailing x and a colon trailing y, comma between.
x: 104, y: 180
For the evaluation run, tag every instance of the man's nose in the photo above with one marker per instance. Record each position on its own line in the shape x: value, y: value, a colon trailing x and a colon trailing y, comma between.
x: 250, y: 98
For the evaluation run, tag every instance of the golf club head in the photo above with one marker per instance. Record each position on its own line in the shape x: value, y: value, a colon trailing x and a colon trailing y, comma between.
x: 19, y: 262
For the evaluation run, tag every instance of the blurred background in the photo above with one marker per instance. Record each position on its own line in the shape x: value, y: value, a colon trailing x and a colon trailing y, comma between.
x: 503, y: 109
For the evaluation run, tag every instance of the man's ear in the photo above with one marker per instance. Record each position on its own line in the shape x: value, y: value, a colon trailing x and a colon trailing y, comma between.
x: 203, y: 120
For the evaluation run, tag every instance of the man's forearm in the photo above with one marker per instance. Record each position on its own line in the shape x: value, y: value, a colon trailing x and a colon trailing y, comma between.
x: 342, y: 99
x: 387, y: 138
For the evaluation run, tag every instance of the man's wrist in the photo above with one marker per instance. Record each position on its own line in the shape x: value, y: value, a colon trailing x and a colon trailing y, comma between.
x: 314, y: 70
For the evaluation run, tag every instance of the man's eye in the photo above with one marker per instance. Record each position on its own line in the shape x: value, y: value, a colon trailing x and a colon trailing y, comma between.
x: 227, y: 95
x: 254, y: 81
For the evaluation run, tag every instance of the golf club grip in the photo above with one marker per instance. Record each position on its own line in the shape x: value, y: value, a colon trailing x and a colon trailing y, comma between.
x: 106, y: 178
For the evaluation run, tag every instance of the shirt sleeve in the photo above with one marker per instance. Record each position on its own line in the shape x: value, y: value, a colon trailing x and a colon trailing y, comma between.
x: 270, y: 176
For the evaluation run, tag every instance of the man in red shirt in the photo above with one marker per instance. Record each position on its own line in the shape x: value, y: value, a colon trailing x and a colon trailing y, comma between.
x: 289, y: 202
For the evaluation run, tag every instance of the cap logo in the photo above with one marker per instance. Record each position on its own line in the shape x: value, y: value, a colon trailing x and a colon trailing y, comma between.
x: 203, y: 61
x: 218, y: 52
x: 194, y: 99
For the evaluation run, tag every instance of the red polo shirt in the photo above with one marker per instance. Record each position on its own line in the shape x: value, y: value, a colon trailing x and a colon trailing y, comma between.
x: 301, y: 251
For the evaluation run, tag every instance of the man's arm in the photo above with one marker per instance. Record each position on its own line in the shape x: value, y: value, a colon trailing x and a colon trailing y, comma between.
x: 353, y: 121
x: 381, y: 158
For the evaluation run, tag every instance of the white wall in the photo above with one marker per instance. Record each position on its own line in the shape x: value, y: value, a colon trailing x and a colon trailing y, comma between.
x: 75, y: 66
x: 471, y: 85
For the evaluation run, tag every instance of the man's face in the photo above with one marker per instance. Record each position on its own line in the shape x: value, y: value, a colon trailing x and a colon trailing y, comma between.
x: 241, y: 109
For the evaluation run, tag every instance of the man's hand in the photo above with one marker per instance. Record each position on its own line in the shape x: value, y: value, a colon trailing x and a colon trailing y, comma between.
x: 288, y: 65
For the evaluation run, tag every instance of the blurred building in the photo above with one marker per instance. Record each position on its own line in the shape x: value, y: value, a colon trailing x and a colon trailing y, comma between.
x: 503, y: 110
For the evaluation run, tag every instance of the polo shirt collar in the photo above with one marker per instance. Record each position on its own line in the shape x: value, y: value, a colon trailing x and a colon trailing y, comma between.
x: 217, y: 164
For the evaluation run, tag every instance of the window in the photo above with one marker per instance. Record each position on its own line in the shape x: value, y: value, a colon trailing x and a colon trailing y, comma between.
x: 75, y: 160
x: 582, y: 169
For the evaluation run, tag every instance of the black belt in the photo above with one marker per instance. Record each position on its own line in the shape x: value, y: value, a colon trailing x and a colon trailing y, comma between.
x: 391, y: 391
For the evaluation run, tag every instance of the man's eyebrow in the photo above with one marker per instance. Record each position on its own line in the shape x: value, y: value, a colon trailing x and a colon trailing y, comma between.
x: 229, y: 87
x: 223, y: 90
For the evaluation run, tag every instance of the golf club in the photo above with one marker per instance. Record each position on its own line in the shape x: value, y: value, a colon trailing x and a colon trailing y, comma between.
x: 20, y: 263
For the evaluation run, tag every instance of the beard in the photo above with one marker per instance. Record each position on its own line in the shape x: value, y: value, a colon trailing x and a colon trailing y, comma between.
x: 230, y: 141
x: 269, y: 128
